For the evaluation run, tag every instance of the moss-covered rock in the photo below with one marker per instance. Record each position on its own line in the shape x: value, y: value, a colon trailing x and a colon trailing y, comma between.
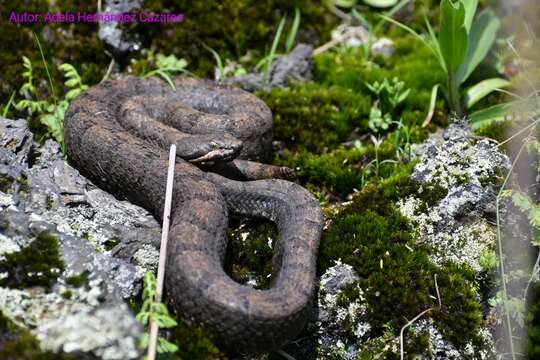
x: 17, y: 343
x: 194, y: 344
x: 396, y: 275
x: 250, y: 251
x: 38, y: 264
x: 232, y: 27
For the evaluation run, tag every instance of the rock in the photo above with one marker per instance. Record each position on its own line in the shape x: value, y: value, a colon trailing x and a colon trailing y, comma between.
x: 84, y: 311
x: 115, y: 37
x: 384, y: 47
x: 339, y: 327
x: 105, y: 332
x: 16, y: 138
x: 295, y: 66
x: 336, y: 278
x: 356, y: 36
x: 443, y: 350
x: 464, y: 172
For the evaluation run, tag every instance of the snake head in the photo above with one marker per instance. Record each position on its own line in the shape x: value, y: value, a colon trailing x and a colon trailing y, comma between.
x: 222, y: 147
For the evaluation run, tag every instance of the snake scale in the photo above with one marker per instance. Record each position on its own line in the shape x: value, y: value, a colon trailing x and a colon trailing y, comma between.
x: 118, y: 133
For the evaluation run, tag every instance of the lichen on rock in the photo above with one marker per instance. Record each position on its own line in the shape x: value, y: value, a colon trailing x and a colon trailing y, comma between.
x: 67, y: 291
x: 457, y: 226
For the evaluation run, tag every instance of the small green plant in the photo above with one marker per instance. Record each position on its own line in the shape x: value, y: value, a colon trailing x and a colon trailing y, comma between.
x: 488, y: 260
x: 164, y: 66
x: 376, y: 162
x: 462, y: 44
x: 50, y: 114
x: 267, y: 61
x: 222, y: 71
x: 389, y: 95
x: 523, y: 202
x: 154, y: 310
x: 374, y: 3
x: 402, y: 139
x: 374, y: 29
x: 6, y: 108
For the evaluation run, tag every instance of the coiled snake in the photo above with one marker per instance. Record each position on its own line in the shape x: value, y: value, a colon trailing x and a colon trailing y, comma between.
x: 118, y: 133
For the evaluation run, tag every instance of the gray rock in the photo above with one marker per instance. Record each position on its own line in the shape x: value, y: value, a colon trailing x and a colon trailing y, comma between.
x: 106, y: 332
x: 336, y: 278
x: 295, y: 66
x: 464, y: 199
x: 16, y: 138
x: 458, y: 226
x: 49, y: 196
x: 383, y: 46
x: 115, y: 37
x: 339, y: 327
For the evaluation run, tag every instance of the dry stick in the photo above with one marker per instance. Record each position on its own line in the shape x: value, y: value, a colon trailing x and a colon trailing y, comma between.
x: 402, y: 352
x: 338, y: 40
x: 152, y: 344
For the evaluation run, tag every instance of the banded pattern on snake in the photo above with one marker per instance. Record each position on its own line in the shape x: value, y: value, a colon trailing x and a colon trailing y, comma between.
x: 118, y: 133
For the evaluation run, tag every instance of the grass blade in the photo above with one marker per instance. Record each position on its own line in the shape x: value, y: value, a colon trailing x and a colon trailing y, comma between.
x: 46, y: 66
x: 481, y: 38
x: 435, y: 45
x: 479, y: 91
x: 453, y: 37
x: 411, y: 31
x: 470, y: 10
x: 432, y: 104
x: 390, y: 14
x: 219, y: 63
x: 492, y: 114
x: 8, y: 105
x: 294, y: 30
x: 273, y: 49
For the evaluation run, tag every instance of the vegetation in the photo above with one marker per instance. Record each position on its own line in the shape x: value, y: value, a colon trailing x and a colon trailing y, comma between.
x: 50, y: 114
x: 350, y: 134
x: 38, y: 264
x: 18, y: 343
x: 153, y: 310
x: 463, y: 43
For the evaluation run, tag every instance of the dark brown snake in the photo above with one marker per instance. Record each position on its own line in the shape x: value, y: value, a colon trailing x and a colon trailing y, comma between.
x: 118, y: 134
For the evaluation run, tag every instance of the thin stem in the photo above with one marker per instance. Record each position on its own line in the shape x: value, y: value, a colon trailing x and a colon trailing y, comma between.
x: 46, y: 67
x: 536, y: 270
x: 401, y: 342
x: 152, y: 344
x: 501, y: 253
x: 520, y: 132
x: 453, y: 90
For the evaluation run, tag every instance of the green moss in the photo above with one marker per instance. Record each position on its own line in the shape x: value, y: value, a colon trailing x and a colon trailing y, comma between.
x: 78, y: 280
x: 396, y: 275
x: 495, y: 130
x: 67, y: 294
x: 231, y: 27
x: 533, y: 319
x: 23, y: 183
x: 111, y: 243
x: 194, y: 344
x: 18, y: 343
x: 76, y: 43
x: 248, y: 251
x: 315, y: 117
x: 4, y: 184
x: 38, y: 264
x: 50, y: 203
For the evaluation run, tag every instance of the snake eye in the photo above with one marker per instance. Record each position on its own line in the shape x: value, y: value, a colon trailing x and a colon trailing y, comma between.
x: 214, y: 144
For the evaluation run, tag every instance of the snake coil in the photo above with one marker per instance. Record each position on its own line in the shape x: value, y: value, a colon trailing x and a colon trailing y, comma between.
x: 118, y: 133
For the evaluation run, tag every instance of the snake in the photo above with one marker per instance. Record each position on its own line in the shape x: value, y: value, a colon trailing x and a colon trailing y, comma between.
x: 118, y: 134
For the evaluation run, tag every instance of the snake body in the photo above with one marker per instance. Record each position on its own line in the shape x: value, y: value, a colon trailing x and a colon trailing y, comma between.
x: 118, y: 133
